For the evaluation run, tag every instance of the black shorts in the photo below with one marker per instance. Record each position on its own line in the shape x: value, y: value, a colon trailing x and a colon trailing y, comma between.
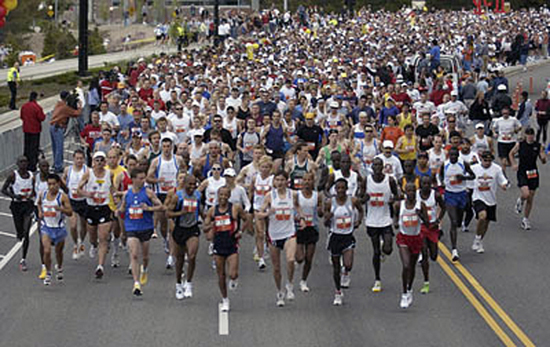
x: 379, y: 231
x: 504, y: 149
x: 162, y: 197
x: 20, y: 209
x: 96, y: 215
x: 280, y: 243
x: 79, y: 207
x: 181, y: 234
x: 142, y: 236
x: 532, y: 183
x: 339, y: 243
x: 307, y: 236
x: 225, y: 244
x: 491, y: 210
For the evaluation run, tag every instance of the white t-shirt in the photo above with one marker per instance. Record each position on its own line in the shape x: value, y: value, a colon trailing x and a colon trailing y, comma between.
x: 505, y: 128
x: 392, y: 166
x: 180, y: 126
x: 486, y: 182
x: 109, y: 118
x: 156, y: 115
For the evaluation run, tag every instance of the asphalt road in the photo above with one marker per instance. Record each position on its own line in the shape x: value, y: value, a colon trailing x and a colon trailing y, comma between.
x: 498, y: 298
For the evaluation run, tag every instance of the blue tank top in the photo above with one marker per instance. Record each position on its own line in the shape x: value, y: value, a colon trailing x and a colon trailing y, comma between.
x: 135, y: 219
x: 191, y: 206
x: 422, y: 174
x: 275, y: 138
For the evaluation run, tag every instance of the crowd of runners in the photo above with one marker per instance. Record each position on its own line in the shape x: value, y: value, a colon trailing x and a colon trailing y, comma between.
x: 316, y: 130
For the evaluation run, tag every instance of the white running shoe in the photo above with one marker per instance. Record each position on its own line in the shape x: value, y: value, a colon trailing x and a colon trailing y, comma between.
x: 75, y: 255
x: 475, y: 245
x: 338, y: 298
x: 280, y: 299
x: 59, y: 274
x: 525, y: 224
x: 345, y: 280
x: 166, y: 248
x: 188, y: 289
x: 377, y: 288
x: 179, y: 291
x: 455, y: 255
x: 211, y: 249
x: 261, y: 264
x: 290, y: 291
x: 404, y: 301
x: 420, y: 258
x: 410, y: 296
x: 233, y: 284
x: 225, y: 305
x: 303, y: 286
x: 93, y: 251
x: 465, y: 228
x: 480, y: 248
x: 99, y: 272
x: 115, y: 259
x: 519, y: 205
x: 169, y: 262
x: 48, y: 279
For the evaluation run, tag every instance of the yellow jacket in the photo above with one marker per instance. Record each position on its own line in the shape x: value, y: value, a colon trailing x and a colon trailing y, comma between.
x: 13, y: 75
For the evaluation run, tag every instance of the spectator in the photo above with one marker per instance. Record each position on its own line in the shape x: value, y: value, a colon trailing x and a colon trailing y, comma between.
x: 32, y: 115
x: 542, y: 107
x: 60, y: 117
x: 13, y: 78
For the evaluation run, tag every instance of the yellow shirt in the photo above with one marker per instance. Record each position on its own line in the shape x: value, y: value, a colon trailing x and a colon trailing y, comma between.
x: 116, y: 172
x: 404, y: 119
x: 410, y: 147
x: 13, y: 75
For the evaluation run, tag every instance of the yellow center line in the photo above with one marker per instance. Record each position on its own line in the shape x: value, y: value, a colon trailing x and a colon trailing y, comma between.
x: 492, y: 303
x: 477, y: 305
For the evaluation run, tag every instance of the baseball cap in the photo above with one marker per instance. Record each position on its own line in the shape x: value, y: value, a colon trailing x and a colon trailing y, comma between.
x: 198, y: 132
x: 387, y: 144
x: 137, y: 133
x: 501, y: 87
x: 310, y: 115
x: 99, y: 154
x: 480, y: 126
x: 230, y: 172
x: 454, y: 93
x: 334, y: 104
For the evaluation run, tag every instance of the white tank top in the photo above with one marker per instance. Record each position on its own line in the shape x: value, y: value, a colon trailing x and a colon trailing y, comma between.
x: 22, y: 186
x: 352, y: 182
x: 343, y: 217
x: 136, y: 153
x: 231, y: 126
x: 480, y: 145
x: 73, y: 179
x: 451, y: 171
x: 262, y: 187
x: 196, y: 152
x: 472, y: 159
x: 430, y: 203
x: 281, y: 219
x: 378, y: 207
x: 409, y: 222
x: 368, y: 152
x: 169, y: 170
x: 212, y: 190
x: 309, y: 208
x: 101, y: 186
x: 39, y: 186
x: 436, y: 161
x: 52, y: 217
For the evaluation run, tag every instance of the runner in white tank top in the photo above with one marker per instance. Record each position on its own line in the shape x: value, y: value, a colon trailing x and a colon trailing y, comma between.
x: 355, y: 181
x: 280, y: 206
x: 260, y: 186
x: 340, y: 217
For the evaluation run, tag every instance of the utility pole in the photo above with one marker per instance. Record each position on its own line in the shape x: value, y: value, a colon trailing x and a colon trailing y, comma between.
x: 83, y: 38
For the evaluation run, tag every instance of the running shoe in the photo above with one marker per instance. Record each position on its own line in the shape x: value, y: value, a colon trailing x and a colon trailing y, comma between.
x: 410, y: 296
x: 261, y: 264
x: 137, y: 289
x: 519, y: 205
x: 420, y: 258
x: 48, y: 279
x: 93, y: 252
x: 23, y: 265
x: 465, y: 228
x: 233, y: 284
x: 303, y: 286
x: 345, y: 280
x: 75, y: 255
x: 115, y: 259
x: 475, y: 245
x: 256, y: 257
x: 143, y: 276
x: 129, y: 269
x: 382, y: 254
x: 166, y: 248
x: 225, y: 305
x: 425, y: 288
x: 455, y: 255
x: 377, y: 288
x: 211, y: 249
x: 59, y: 274
x: 338, y: 298
x: 169, y: 262
x: 188, y: 290
x: 480, y: 248
x: 99, y: 272
x: 81, y: 250
x: 525, y: 224
x: 155, y: 235
x: 404, y: 301
x: 213, y: 265
x: 42, y: 272
x: 280, y: 299
x: 179, y: 291
x: 290, y: 291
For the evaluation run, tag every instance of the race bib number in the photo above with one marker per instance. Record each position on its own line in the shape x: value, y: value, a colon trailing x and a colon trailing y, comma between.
x: 431, y: 213
x: 532, y: 174
x: 74, y: 192
x: 376, y: 199
x: 298, y: 183
x: 166, y: 186
x: 262, y: 190
x: 248, y: 146
x: 26, y: 193
x: 135, y: 212
x: 49, y: 212
x: 506, y: 137
x: 455, y: 180
x: 180, y: 130
x: 282, y: 214
x: 99, y: 198
x: 222, y: 223
x: 343, y: 223
x: 190, y: 205
x: 311, y: 146
x: 308, y: 220
x: 410, y: 220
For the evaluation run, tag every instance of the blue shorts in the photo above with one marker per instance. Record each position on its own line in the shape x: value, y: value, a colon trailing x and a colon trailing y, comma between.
x: 56, y: 235
x: 459, y: 200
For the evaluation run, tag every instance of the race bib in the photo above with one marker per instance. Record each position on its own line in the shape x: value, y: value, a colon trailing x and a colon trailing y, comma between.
x: 26, y: 193
x: 298, y: 183
x: 506, y: 137
x: 343, y: 223
x: 410, y: 220
x: 222, y: 223
x: 308, y: 220
x: 376, y: 199
x: 50, y: 212
x: 190, y: 205
x: 180, y: 130
x: 431, y: 213
x: 166, y: 186
x: 282, y: 214
x: 311, y: 146
x: 532, y: 174
x: 135, y: 212
x: 262, y: 190
x: 99, y: 198
x: 454, y: 180
x: 74, y: 192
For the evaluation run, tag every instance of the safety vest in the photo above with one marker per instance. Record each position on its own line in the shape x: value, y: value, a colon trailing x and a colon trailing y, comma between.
x: 13, y: 75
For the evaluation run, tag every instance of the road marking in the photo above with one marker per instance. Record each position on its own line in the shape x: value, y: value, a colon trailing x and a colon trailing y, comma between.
x: 4, y: 198
x: 477, y: 305
x: 5, y: 260
x: 7, y: 234
x: 5, y: 214
x: 490, y: 301
x: 223, y: 319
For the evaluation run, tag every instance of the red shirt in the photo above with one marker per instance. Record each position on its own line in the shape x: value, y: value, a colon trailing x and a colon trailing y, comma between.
x: 391, y: 133
x: 106, y: 88
x: 32, y: 116
x: 146, y: 94
x: 152, y: 103
x: 90, y: 133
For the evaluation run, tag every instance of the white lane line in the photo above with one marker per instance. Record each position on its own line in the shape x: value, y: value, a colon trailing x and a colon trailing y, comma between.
x: 5, y: 214
x: 3, y: 233
x: 5, y: 260
x: 2, y: 256
x: 5, y: 198
x: 223, y: 318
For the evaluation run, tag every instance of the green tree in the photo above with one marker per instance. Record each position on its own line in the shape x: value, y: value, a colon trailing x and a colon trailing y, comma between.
x: 95, y: 42
x: 59, y: 42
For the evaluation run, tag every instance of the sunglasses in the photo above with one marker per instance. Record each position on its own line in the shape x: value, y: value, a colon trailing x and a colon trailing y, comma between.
x: 179, y: 109
x: 99, y: 159
x: 216, y: 169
